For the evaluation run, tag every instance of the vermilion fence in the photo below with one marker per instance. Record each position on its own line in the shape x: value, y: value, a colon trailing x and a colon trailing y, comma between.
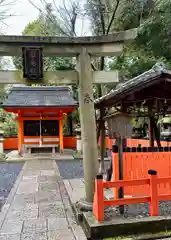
x: 136, y: 165
x: 135, y: 142
x: 152, y: 198
x: 70, y: 142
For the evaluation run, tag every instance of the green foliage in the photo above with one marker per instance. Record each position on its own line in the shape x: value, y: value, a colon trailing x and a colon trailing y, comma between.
x: 132, y: 13
x: 8, y: 124
x: 133, y: 61
x: 154, y: 34
x: 153, y: 19
x: 33, y: 28
x: 58, y: 63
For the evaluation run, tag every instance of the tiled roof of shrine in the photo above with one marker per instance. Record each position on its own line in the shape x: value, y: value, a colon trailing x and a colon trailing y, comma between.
x: 42, y: 96
x: 123, y: 89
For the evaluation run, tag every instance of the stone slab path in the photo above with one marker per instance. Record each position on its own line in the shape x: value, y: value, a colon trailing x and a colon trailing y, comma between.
x: 13, y: 156
x: 38, y: 207
x: 76, y: 190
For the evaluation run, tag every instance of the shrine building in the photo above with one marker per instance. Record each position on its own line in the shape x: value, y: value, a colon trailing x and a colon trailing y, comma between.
x: 40, y: 115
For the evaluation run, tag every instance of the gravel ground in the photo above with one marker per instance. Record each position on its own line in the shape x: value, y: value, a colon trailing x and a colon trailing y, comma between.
x: 70, y: 169
x: 137, y: 211
x: 8, y: 176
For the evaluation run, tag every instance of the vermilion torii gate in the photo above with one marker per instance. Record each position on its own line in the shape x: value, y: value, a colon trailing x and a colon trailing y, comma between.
x: 82, y: 48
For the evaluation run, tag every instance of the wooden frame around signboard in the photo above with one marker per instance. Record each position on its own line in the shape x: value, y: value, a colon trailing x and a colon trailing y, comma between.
x: 36, y: 76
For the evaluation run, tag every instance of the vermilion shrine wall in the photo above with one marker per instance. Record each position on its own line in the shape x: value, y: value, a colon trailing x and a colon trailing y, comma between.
x: 12, y: 143
x: 137, y: 162
x: 70, y: 142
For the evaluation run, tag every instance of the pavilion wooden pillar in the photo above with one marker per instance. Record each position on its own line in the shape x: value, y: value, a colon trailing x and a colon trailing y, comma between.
x: 61, y: 138
x: 20, y: 134
x: 102, y: 140
x: 150, y: 126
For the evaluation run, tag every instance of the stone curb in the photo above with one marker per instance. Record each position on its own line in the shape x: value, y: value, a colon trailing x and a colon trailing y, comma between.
x: 56, y: 168
x: 11, y: 195
x: 91, y: 229
x: 38, y: 158
x: 111, y: 229
x: 151, y: 237
x: 146, y: 237
x: 123, y: 227
x: 78, y: 230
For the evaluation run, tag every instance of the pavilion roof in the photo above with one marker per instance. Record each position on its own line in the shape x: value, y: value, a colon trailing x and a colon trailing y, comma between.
x: 41, y: 96
x: 148, y: 78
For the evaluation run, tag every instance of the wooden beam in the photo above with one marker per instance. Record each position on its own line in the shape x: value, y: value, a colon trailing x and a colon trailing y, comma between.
x: 109, y: 45
x: 101, y: 49
x: 37, y: 118
x: 102, y: 140
x: 116, y: 37
x: 59, y: 77
x: 107, y: 49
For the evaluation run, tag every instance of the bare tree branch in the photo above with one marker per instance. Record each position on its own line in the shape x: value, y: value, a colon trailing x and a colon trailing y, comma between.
x: 49, y: 17
x: 5, y: 6
x: 101, y: 10
x: 73, y: 20
x: 113, y: 16
x: 66, y: 10
x: 66, y: 16
x: 57, y: 22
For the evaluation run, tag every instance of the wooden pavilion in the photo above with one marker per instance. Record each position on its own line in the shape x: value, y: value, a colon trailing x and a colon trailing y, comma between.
x: 40, y: 117
x: 147, y: 95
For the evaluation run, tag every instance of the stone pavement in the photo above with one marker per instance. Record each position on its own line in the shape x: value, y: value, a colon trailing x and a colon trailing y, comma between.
x: 76, y: 190
x: 13, y: 156
x: 38, y: 206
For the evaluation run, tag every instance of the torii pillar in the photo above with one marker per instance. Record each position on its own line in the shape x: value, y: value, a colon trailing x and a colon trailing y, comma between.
x: 88, y: 123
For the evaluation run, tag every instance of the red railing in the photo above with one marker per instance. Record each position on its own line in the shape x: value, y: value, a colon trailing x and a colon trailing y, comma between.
x: 100, y: 203
x: 136, y: 165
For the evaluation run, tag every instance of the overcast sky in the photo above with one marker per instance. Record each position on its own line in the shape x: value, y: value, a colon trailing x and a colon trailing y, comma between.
x: 26, y: 13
